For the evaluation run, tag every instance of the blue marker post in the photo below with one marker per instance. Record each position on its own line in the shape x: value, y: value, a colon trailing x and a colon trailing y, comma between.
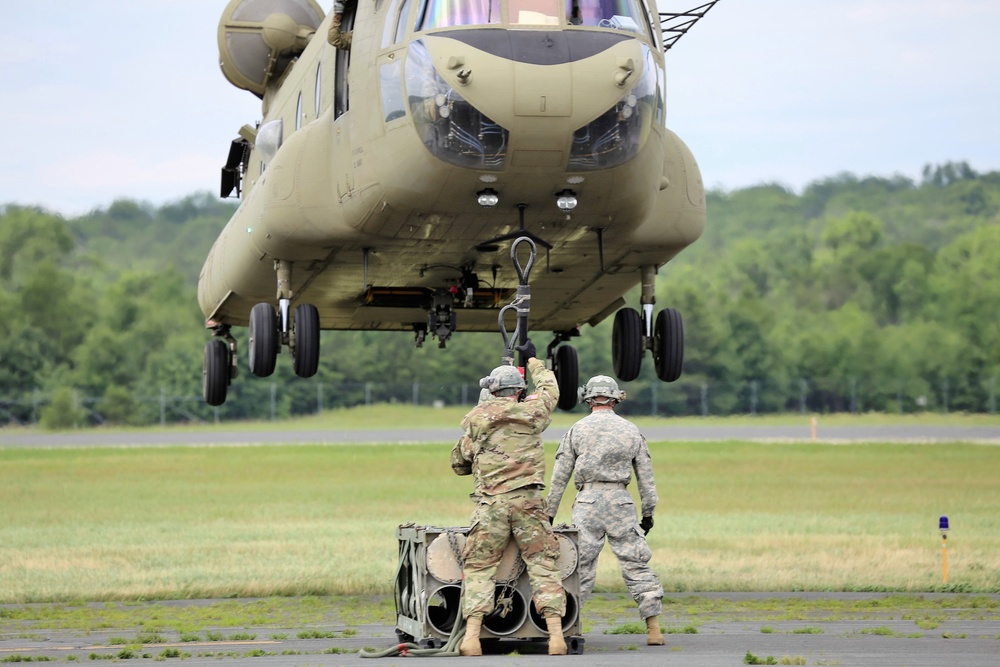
x: 943, y: 527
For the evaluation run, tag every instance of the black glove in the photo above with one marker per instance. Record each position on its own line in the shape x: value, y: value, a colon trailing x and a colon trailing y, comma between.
x: 527, y: 348
x: 552, y: 520
x: 646, y: 524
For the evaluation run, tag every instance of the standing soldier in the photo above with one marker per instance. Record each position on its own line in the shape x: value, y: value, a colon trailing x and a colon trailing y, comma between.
x: 604, y: 448
x: 502, y: 447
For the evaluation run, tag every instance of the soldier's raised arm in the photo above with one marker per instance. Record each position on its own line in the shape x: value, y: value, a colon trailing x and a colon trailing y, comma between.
x: 546, y: 388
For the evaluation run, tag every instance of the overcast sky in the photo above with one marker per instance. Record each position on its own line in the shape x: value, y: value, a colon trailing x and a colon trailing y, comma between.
x: 107, y: 99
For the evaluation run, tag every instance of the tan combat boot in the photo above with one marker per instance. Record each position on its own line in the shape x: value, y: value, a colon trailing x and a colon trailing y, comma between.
x: 655, y: 637
x: 470, y: 645
x: 557, y: 645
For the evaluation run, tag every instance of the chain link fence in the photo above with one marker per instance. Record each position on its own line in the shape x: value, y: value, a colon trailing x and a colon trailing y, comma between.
x: 261, y: 399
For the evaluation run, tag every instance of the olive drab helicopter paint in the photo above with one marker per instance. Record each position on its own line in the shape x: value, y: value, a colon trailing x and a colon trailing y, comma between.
x: 384, y: 185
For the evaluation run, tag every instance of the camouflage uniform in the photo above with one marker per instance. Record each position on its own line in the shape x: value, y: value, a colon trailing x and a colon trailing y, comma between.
x: 502, y: 448
x: 604, y: 448
x: 341, y: 40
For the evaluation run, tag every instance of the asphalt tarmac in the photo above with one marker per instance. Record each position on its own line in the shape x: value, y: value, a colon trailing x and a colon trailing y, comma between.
x: 913, y: 433
x: 964, y: 635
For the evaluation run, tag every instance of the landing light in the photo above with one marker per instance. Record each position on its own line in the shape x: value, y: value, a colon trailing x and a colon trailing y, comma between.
x: 566, y: 201
x: 488, y: 198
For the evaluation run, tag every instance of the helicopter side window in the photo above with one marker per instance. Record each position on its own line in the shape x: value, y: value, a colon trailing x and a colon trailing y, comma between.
x: 447, y: 13
x: 617, y: 14
x: 404, y: 12
x: 390, y: 78
x: 388, y: 29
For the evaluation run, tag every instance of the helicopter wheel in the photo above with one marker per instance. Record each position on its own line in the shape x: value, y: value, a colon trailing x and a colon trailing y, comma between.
x: 263, y: 341
x: 215, y: 372
x: 566, y: 366
x: 668, y: 345
x: 626, y: 344
x: 305, y: 356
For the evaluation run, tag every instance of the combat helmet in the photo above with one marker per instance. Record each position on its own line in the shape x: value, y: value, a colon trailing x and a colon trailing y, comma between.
x: 601, y: 385
x: 503, y: 381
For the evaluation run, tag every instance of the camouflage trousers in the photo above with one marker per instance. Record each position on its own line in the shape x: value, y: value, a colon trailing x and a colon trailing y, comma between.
x: 600, y: 513
x: 519, y: 515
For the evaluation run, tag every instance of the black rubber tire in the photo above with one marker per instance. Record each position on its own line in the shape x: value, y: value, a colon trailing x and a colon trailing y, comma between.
x: 305, y: 357
x: 567, y: 369
x: 263, y: 343
x: 668, y: 345
x: 626, y: 344
x: 215, y: 372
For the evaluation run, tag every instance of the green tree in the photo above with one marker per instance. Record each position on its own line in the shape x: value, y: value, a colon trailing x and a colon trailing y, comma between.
x: 965, y: 283
x: 30, y: 236
x: 63, y: 412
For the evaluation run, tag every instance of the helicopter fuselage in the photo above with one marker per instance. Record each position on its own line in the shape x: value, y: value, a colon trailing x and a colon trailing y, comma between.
x: 394, y: 175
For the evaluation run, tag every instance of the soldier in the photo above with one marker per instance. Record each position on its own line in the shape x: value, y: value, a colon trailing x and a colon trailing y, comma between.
x: 604, y: 448
x: 502, y: 447
x: 341, y: 40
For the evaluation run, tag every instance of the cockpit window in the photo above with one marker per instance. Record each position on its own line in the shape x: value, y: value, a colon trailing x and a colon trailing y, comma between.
x: 404, y: 13
x: 447, y: 13
x: 535, y: 12
x: 617, y: 14
x: 387, y: 29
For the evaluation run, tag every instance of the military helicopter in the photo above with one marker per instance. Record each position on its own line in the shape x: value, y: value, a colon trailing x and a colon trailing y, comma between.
x: 385, y: 184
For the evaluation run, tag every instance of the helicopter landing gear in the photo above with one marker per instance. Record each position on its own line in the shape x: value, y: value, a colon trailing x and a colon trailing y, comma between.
x: 305, y: 340
x: 566, y: 366
x: 219, y: 366
x: 626, y: 344
x: 632, y: 334
x: 263, y: 340
x: 668, y: 345
x: 269, y: 330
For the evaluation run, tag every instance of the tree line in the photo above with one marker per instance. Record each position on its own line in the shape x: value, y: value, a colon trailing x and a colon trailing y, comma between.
x: 854, y: 292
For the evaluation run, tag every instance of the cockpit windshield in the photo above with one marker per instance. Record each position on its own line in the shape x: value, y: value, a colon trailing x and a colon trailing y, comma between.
x: 447, y: 13
x: 616, y: 14
x: 535, y: 12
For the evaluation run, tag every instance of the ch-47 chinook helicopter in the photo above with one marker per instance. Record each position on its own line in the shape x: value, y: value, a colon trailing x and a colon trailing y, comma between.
x: 385, y: 184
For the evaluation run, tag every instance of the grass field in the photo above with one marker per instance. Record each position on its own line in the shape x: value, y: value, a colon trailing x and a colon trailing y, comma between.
x: 399, y: 415
x: 167, y: 523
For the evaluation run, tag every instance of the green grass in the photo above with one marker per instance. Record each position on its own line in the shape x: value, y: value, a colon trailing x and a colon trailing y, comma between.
x: 409, y: 416
x: 686, y: 630
x: 881, y: 630
x: 633, y: 628
x: 163, y: 523
x: 751, y: 659
x: 319, y: 614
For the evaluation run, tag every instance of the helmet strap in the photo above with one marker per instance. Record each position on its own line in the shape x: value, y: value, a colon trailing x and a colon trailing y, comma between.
x: 601, y: 400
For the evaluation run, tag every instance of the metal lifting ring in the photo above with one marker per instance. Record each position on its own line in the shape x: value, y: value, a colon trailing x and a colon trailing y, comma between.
x: 522, y: 275
x: 522, y: 302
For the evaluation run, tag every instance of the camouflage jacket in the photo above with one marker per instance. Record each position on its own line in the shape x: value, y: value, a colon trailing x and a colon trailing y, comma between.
x: 502, y: 440
x: 603, y: 447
